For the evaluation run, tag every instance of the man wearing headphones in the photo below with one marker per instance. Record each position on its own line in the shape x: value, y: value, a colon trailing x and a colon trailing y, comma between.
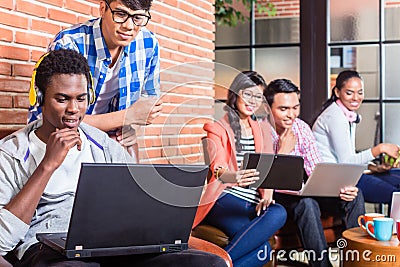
x: 123, y: 57
x: 39, y: 173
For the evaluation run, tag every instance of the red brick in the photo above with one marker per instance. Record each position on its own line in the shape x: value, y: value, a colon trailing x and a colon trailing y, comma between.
x: 185, y: 7
x: 150, y: 153
x: 45, y: 26
x: 179, y: 160
x: 175, y: 119
x: 193, y: 40
x: 171, y: 2
x: 208, y: 6
x: 7, y: 4
x: 13, y: 116
x: 5, y: 68
x: 169, y: 151
x: 78, y: 7
x: 30, y: 8
x: 201, y: 13
x: 184, y: 150
x: 5, y: 101
x: 11, y: 128
x: 155, y: 161
x: 13, y: 20
x: 82, y: 19
x: 169, y: 129
x: 14, y: 52
x: 169, y: 44
x: 21, y: 101
x: 62, y: 16
x: 58, y: 3
x: 173, y: 141
x: 95, y: 12
x: 22, y: 70
x: 36, y: 54
x: 175, y: 98
x: 203, y: 32
x: 6, y: 35
x: 151, y: 130
x: 205, y: 101
x: 160, y: 120
x: 31, y: 39
x: 162, y: 9
x: 14, y: 85
x: 187, y: 140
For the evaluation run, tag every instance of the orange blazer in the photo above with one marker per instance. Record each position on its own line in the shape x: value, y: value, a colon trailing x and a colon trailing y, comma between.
x: 222, y: 151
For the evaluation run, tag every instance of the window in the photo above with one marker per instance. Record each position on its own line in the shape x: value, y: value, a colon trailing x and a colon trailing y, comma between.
x: 364, y: 36
x: 268, y: 45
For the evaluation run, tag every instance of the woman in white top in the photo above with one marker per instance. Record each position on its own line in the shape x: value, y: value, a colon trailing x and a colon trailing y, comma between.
x: 334, y: 130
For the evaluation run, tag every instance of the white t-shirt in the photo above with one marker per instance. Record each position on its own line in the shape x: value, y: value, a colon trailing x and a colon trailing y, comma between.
x: 110, y: 88
x: 59, y: 182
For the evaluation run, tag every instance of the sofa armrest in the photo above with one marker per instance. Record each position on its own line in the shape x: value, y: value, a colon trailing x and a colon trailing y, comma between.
x: 200, y: 244
x: 4, y: 263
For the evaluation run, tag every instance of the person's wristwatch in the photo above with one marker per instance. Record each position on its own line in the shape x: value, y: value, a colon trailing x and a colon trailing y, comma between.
x: 218, y: 172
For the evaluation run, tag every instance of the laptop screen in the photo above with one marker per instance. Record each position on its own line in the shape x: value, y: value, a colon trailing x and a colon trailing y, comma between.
x: 122, y: 205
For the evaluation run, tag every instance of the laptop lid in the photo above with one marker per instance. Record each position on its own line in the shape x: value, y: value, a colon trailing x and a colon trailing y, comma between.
x: 395, y: 209
x: 122, y: 209
x: 328, y: 178
x: 277, y: 171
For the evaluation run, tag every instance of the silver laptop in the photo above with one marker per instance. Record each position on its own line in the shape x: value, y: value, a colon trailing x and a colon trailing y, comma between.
x: 122, y: 209
x: 328, y: 178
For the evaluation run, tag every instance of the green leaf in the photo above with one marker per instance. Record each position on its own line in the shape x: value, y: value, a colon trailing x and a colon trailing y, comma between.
x: 225, y: 14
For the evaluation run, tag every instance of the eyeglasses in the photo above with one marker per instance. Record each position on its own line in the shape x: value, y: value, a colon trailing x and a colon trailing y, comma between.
x: 140, y: 20
x: 247, y: 95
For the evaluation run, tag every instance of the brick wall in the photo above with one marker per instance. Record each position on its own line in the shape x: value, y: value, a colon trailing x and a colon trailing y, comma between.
x: 185, y: 29
x: 284, y: 8
x: 392, y: 3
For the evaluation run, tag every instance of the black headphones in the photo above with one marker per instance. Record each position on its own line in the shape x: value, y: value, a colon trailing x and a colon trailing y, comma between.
x: 36, y: 96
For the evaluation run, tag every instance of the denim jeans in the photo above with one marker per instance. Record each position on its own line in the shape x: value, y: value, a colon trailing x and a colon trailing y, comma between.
x: 378, y: 188
x: 306, y: 212
x: 247, y: 232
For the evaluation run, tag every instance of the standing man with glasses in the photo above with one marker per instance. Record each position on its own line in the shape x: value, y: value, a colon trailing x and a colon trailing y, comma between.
x: 123, y: 57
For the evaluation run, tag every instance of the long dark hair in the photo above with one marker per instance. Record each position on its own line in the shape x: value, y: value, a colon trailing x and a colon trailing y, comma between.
x: 243, y: 80
x: 341, y: 80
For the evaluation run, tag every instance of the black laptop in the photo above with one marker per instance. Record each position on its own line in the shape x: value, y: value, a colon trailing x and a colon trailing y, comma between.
x: 122, y: 209
x: 283, y: 172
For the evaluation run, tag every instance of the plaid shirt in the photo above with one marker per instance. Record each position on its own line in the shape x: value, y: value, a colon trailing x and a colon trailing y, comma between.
x: 140, y: 64
x: 306, y: 145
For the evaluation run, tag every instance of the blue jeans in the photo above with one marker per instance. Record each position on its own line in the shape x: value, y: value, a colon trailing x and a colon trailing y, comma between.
x: 378, y: 188
x: 306, y: 212
x: 247, y: 232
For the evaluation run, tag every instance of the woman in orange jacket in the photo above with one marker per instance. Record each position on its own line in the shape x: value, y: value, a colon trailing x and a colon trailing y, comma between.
x: 248, y: 216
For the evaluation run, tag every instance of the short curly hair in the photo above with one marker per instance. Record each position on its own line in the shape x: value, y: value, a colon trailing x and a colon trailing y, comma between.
x: 60, y: 62
x: 135, y: 4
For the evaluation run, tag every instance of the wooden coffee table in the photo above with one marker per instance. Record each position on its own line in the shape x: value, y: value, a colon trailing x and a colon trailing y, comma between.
x: 360, y: 249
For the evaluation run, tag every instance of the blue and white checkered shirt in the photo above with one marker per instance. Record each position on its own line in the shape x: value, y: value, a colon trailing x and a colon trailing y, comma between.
x: 140, y: 63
